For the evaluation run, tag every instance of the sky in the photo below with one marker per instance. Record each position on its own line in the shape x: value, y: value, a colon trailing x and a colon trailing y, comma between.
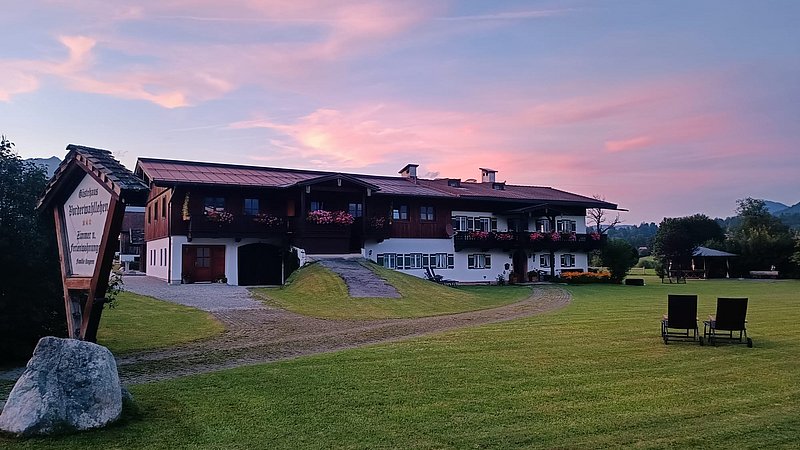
x: 667, y: 108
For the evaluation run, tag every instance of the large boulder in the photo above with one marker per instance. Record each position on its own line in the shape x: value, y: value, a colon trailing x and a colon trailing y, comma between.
x: 68, y: 385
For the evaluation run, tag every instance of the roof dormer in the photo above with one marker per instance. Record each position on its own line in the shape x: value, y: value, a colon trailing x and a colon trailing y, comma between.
x: 409, y: 171
x: 487, y: 175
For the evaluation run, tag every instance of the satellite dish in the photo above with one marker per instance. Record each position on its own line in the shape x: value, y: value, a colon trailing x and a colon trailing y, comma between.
x: 449, y: 230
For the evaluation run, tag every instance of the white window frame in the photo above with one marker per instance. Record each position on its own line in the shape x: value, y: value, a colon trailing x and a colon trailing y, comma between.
x: 544, y: 260
x: 567, y: 260
x: 479, y: 261
x: 543, y: 225
x: 566, y: 226
x: 388, y: 260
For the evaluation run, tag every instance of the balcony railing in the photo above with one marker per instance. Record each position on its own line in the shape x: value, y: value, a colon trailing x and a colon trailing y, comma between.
x: 536, y: 241
x: 238, y: 226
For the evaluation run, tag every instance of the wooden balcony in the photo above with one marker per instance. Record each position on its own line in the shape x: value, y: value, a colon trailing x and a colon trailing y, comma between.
x: 238, y: 226
x: 537, y: 242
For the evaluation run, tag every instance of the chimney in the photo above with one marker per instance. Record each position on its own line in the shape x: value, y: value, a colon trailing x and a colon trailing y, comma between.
x: 409, y: 171
x: 487, y: 175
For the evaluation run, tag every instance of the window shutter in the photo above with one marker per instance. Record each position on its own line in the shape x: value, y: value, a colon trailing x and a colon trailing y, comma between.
x: 407, y: 262
x: 494, y: 223
x: 454, y: 221
x: 426, y: 262
x: 380, y: 259
x: 471, y: 261
x: 563, y: 260
x: 451, y: 261
x: 488, y: 261
x: 470, y: 223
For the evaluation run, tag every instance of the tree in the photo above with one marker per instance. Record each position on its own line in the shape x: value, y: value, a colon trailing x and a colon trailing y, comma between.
x: 678, y: 237
x: 619, y: 256
x: 598, y: 217
x: 761, y: 240
x: 31, y: 301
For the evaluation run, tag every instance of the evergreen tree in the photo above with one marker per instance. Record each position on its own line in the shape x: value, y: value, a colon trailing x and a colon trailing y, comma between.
x: 31, y: 301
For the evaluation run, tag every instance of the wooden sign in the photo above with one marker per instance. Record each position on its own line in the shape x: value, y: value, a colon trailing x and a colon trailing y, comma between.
x: 87, y: 196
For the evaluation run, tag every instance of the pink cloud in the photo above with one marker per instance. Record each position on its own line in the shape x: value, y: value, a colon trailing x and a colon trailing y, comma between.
x: 186, y: 72
x: 628, y: 144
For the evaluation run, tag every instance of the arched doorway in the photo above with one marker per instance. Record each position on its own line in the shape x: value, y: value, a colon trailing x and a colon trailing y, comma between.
x: 259, y: 264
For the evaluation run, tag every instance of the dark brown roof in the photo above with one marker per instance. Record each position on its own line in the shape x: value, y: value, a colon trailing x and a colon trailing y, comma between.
x: 167, y: 172
x: 102, y: 164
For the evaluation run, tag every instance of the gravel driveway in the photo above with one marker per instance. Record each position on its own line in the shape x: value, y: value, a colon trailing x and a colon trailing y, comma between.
x: 206, y: 296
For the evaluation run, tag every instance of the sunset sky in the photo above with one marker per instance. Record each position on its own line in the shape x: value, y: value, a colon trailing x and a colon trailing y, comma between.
x: 667, y: 108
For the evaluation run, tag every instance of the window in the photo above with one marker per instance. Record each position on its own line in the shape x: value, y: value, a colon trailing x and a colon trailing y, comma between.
x: 459, y: 223
x: 499, y: 186
x: 400, y: 212
x: 454, y: 183
x: 566, y: 225
x: 544, y: 260
x: 164, y: 207
x: 149, y: 214
x: 479, y: 261
x: 388, y: 260
x: 543, y: 225
x: 203, y: 257
x: 355, y: 209
x: 251, y: 207
x: 483, y: 224
x: 155, y: 215
x: 213, y: 204
x: 438, y: 260
x: 414, y: 261
x: 426, y: 212
x: 317, y: 206
x: 567, y: 260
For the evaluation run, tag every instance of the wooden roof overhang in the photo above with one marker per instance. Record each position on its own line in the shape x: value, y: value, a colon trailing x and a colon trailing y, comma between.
x: 103, y: 167
x: 339, y: 178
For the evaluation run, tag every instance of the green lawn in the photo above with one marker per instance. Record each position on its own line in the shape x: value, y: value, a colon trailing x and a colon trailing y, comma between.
x: 316, y: 291
x: 144, y: 323
x: 594, y: 374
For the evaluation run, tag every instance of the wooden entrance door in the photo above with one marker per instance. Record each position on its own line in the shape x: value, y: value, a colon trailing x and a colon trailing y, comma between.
x: 521, y: 265
x: 203, y: 262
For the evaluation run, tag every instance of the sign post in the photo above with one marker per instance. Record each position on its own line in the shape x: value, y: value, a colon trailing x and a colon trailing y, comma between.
x: 88, y: 195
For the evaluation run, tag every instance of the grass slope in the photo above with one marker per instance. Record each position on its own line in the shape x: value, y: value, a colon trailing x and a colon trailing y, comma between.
x: 316, y: 291
x: 144, y: 323
x: 595, y: 374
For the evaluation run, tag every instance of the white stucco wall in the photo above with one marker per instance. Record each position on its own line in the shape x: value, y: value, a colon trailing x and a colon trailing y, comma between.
x: 581, y: 262
x: 461, y: 270
x: 158, y: 258
x: 231, y: 255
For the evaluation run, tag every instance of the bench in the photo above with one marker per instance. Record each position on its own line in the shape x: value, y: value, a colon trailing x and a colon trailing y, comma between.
x: 634, y: 281
x: 763, y: 274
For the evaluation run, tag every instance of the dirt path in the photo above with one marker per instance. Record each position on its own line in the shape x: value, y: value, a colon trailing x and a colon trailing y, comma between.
x: 271, y: 334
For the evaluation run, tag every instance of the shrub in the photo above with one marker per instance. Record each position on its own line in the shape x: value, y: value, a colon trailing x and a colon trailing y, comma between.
x: 586, y: 277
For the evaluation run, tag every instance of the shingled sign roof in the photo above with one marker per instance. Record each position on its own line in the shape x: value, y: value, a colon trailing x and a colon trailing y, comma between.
x: 119, y: 180
x: 163, y: 172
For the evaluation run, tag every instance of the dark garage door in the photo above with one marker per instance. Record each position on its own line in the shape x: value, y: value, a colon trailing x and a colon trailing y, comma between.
x: 259, y: 264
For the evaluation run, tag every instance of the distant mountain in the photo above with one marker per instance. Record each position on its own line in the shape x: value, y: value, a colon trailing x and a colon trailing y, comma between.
x: 775, y: 208
x: 794, y: 209
x: 50, y: 163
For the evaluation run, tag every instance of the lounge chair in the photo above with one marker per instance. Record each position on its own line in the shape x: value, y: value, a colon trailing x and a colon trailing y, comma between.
x: 730, y: 318
x: 681, y: 315
x: 438, y: 278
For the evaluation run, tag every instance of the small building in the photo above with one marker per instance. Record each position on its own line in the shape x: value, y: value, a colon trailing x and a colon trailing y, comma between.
x: 710, y: 263
x: 249, y: 225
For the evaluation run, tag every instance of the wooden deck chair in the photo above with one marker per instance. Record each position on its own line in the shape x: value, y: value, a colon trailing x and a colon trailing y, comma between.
x: 441, y: 280
x: 729, y: 319
x: 680, y: 322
